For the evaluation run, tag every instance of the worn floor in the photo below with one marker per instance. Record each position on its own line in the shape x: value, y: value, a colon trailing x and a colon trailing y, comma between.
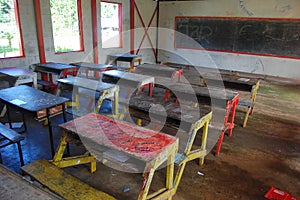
x: 264, y: 154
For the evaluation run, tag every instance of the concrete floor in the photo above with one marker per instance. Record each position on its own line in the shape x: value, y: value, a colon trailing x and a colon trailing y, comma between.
x: 264, y: 154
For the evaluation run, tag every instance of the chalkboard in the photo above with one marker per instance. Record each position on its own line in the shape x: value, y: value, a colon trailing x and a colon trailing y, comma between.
x: 274, y: 37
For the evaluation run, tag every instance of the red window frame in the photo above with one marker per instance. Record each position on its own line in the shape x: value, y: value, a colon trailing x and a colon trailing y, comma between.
x: 18, y: 24
x: 80, y: 26
x: 120, y: 14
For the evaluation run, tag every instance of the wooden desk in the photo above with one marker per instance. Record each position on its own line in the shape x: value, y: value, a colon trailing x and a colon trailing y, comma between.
x: 42, y: 104
x: 47, y: 70
x: 17, y: 76
x: 126, y: 57
x: 14, y: 186
x: 95, y: 68
x: 121, y: 77
x: 189, y: 122
x: 148, y: 146
x: 20, y: 76
x: 213, y: 97
x: 240, y: 81
x: 106, y: 90
x: 157, y: 70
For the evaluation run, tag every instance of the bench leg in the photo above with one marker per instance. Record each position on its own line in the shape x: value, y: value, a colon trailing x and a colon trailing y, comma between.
x: 148, y: 175
x: 179, y: 175
x: 3, y: 111
x: 246, y: 117
x: 20, y: 153
x: 219, y: 144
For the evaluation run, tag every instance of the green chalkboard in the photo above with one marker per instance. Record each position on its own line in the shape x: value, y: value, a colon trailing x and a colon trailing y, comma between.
x: 275, y: 37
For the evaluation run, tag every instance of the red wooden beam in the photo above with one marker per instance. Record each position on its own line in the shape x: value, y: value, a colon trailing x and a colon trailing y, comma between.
x: 132, y: 3
x: 144, y: 26
x: 17, y: 15
x: 80, y: 19
x: 95, y: 31
x: 146, y: 33
x: 39, y: 29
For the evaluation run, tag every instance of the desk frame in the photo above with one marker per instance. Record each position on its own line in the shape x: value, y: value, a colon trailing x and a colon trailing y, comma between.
x: 104, y: 94
x: 124, y: 58
x: 167, y: 155
x: 47, y: 75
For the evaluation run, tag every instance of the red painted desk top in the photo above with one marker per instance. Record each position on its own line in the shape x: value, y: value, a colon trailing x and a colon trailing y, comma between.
x: 136, y: 141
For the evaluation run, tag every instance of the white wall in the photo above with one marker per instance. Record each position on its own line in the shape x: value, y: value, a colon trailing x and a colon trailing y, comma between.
x: 228, y: 8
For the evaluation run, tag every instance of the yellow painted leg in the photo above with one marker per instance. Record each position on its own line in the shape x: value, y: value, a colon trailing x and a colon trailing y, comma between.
x: 116, y: 103
x: 100, y: 100
x: 246, y: 116
x: 61, y: 148
x: 148, y: 176
x: 204, y: 140
x: 61, y: 162
x: 170, y: 172
x: 179, y: 175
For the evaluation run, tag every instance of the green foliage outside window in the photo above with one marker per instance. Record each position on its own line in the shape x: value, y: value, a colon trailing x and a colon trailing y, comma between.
x: 65, y: 25
x: 10, y: 41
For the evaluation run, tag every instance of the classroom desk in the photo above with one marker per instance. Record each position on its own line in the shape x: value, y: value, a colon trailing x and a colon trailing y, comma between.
x: 20, y: 76
x: 47, y: 70
x: 95, y: 68
x: 213, y: 96
x: 106, y: 90
x: 126, y: 57
x: 121, y: 77
x: 237, y: 82
x: 28, y: 99
x: 17, y: 76
x: 157, y: 70
x: 150, y: 147
x: 188, y: 121
x: 14, y: 186
x: 241, y: 81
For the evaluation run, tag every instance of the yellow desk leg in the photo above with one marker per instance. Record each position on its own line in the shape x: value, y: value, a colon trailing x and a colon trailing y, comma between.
x: 252, y: 100
x: 148, y: 176
x: 169, y: 175
x: 254, y: 96
x: 204, y: 140
x: 61, y: 162
x: 116, y: 102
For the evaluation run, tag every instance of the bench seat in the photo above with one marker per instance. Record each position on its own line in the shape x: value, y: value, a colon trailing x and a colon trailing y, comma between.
x: 62, y: 183
x: 8, y: 137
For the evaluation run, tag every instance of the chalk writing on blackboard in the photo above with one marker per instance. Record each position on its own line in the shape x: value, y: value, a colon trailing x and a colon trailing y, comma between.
x: 275, y: 37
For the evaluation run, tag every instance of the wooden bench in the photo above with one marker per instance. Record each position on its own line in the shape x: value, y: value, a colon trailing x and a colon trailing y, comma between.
x: 8, y: 137
x: 61, y: 183
x: 241, y: 81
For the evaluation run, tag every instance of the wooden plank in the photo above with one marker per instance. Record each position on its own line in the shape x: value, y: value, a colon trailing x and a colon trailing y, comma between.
x: 13, y: 186
x: 62, y: 183
x: 9, y: 134
x: 86, y: 83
